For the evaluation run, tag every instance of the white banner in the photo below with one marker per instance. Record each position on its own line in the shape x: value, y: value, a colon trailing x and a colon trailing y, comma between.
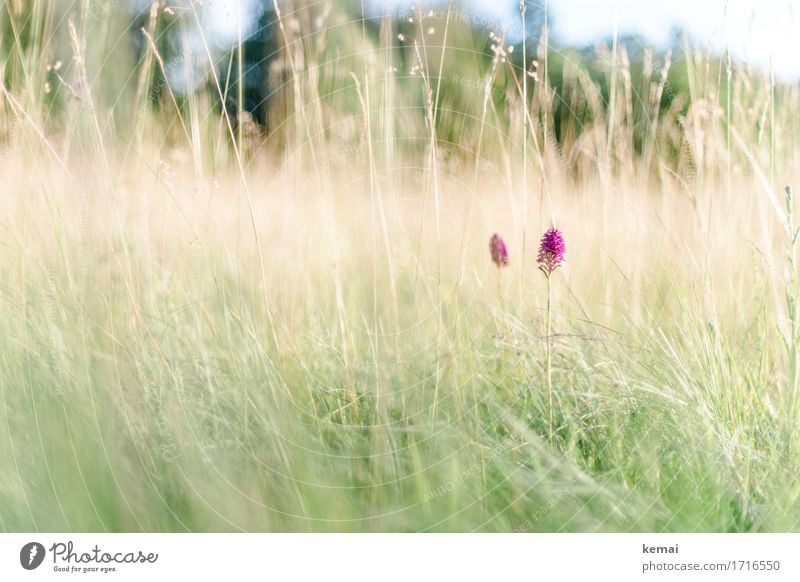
x: 400, y: 557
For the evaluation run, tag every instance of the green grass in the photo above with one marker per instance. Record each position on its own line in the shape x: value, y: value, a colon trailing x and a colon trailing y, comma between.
x: 152, y: 384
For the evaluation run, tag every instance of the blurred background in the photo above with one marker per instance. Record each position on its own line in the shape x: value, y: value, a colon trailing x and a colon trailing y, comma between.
x: 259, y: 63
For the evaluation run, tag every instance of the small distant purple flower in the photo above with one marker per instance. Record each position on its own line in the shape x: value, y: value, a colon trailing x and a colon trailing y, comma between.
x: 497, y: 248
x: 551, y: 251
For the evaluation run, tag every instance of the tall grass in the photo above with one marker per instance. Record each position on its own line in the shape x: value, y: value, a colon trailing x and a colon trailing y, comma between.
x: 207, y: 325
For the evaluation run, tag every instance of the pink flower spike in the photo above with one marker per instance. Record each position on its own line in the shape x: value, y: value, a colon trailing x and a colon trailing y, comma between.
x: 498, y: 251
x: 551, y: 251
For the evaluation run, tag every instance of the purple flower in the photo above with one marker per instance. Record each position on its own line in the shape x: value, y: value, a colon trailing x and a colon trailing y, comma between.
x: 551, y: 251
x: 497, y: 248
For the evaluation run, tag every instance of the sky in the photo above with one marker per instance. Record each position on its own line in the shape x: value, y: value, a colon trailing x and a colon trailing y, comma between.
x: 760, y: 32
x: 765, y: 33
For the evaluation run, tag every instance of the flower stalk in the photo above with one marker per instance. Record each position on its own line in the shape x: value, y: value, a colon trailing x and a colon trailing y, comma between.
x: 552, y: 251
x: 499, y: 254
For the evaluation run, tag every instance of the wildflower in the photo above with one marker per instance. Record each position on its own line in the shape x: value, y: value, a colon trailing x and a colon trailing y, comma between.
x: 498, y: 251
x: 551, y: 251
x: 551, y: 255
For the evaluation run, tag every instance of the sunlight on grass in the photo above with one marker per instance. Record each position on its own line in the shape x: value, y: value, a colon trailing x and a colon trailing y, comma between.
x: 211, y: 325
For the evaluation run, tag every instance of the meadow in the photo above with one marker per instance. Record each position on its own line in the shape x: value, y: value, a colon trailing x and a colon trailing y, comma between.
x: 209, y: 324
